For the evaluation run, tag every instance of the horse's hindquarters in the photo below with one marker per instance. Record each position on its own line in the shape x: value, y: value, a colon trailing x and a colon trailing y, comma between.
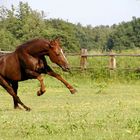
x: 9, y: 67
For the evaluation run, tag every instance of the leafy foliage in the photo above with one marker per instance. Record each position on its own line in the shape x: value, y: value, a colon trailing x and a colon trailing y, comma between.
x: 22, y: 23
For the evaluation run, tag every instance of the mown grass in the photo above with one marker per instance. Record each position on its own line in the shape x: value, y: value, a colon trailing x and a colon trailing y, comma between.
x: 99, y: 111
x: 106, y: 106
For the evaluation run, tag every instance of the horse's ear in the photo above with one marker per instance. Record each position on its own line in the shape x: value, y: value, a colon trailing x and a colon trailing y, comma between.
x: 54, y: 42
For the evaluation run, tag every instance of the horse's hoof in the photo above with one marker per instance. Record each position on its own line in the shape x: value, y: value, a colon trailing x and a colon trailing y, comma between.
x: 18, y: 107
x: 28, y: 109
x: 73, y: 91
x: 39, y: 93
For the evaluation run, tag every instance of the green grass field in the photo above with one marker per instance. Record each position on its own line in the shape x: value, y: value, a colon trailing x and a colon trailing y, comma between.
x: 99, y: 111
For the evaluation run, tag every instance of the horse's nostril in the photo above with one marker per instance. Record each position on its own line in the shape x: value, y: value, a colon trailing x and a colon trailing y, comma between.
x: 68, y: 68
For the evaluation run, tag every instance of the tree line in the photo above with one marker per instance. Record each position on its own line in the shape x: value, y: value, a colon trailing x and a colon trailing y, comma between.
x: 19, y: 24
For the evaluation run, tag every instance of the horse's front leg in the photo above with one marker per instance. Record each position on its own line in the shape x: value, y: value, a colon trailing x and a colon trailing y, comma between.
x: 47, y: 70
x: 57, y: 76
x: 39, y: 77
x: 42, y: 86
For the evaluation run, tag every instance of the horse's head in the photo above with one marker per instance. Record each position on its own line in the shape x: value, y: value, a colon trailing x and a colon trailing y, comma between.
x: 57, y: 56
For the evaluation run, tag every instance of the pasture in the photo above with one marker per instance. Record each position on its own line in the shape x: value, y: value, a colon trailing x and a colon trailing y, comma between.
x: 106, y: 106
x: 100, y: 110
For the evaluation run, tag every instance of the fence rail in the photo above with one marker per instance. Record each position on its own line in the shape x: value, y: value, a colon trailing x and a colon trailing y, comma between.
x: 112, y: 64
x: 95, y: 55
x: 84, y: 58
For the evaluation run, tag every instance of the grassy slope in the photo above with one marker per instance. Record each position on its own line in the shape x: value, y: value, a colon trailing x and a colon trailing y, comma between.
x: 98, y: 111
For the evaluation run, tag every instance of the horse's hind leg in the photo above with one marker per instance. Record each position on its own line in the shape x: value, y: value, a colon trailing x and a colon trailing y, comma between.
x: 10, y: 90
x: 15, y: 88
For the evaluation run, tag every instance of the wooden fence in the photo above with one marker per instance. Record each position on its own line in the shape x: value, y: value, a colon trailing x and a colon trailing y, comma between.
x: 112, y: 59
x: 84, y: 58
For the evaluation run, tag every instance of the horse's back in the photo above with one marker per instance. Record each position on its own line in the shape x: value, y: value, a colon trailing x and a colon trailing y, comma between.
x: 9, y: 66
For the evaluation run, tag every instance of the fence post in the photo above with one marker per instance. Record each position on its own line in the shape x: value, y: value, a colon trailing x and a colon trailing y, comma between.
x: 83, y: 60
x: 112, y: 61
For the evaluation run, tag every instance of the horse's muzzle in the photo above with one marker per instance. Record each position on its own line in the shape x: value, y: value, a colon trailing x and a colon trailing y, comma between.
x: 66, y: 69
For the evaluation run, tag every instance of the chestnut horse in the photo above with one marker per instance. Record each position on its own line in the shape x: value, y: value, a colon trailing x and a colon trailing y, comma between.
x: 28, y: 62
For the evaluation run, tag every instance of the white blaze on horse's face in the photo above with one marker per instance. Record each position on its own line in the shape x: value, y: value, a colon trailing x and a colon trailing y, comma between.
x: 62, y: 60
x: 63, y: 56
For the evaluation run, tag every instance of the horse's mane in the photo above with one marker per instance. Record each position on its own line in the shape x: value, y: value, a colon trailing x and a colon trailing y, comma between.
x: 32, y: 41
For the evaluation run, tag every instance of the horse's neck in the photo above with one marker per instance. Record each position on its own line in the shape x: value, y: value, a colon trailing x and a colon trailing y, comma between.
x: 39, y: 49
x: 36, y: 47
